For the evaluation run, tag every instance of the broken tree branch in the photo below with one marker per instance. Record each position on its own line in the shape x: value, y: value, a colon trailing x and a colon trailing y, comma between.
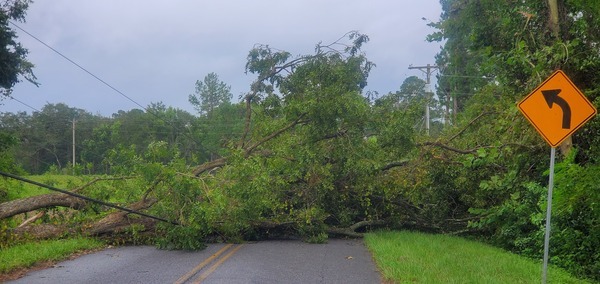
x: 32, y: 219
x: 444, y: 146
x: 393, y: 165
x: 351, y: 231
x: 468, y: 125
x: 274, y: 134
x: 120, y: 219
x: 209, y: 166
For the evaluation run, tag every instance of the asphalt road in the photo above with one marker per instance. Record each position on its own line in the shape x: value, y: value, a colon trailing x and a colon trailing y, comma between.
x: 338, y: 261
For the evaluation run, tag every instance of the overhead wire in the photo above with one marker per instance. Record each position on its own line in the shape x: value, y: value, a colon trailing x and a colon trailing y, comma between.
x: 13, y: 98
x: 184, y: 133
x: 79, y: 66
x: 87, y: 198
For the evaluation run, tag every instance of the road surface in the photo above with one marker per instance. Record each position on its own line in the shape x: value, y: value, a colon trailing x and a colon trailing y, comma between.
x: 338, y: 261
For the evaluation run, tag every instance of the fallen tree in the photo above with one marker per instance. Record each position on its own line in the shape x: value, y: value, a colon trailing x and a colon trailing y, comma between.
x: 303, y: 164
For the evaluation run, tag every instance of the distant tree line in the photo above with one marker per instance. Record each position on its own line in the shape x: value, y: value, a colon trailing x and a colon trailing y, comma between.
x: 43, y: 140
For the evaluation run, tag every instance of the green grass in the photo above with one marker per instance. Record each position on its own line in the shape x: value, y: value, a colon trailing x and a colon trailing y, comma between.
x: 17, y: 189
x: 409, y: 257
x: 27, y: 255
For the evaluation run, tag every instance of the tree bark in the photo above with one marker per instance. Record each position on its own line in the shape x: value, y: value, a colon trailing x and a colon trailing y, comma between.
x: 120, y: 219
x: 40, y: 231
x: 554, y: 24
x: 209, y: 166
x: 351, y: 231
x: 393, y: 165
x: 553, y: 17
x: 24, y: 205
x: 113, y: 222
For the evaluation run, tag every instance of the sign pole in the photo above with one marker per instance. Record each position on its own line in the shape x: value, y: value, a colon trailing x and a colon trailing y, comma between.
x: 548, y: 214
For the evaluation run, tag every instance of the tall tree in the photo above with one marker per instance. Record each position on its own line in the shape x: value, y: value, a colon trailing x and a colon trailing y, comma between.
x: 13, y: 63
x: 210, y: 94
x: 494, y: 53
x: 13, y: 56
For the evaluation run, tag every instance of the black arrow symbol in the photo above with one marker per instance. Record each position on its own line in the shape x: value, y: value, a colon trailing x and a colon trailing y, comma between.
x: 552, y: 98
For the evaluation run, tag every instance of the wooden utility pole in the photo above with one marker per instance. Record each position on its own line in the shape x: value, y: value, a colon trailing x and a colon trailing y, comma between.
x: 73, y: 164
x: 428, y: 70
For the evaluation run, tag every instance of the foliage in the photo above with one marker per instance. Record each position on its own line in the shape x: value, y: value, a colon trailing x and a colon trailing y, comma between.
x: 7, y: 160
x: 302, y: 165
x: 310, y: 171
x: 577, y: 216
x: 218, y: 130
x: 493, y: 176
x: 12, y: 54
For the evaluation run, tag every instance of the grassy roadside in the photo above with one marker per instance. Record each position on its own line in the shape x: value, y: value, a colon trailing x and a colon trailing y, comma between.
x: 409, y: 257
x: 18, y: 189
x: 29, y: 254
x: 17, y: 258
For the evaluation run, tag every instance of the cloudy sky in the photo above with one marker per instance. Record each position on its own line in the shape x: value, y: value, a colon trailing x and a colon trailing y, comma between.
x: 154, y: 51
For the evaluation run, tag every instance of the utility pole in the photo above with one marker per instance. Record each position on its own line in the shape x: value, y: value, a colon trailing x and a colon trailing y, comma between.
x: 428, y: 70
x: 73, y: 164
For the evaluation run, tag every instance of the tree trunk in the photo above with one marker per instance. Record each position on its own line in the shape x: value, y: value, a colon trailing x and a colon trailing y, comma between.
x: 553, y: 17
x: 40, y: 231
x: 351, y: 231
x: 554, y: 25
x: 24, y: 205
x: 113, y: 223
x: 119, y: 220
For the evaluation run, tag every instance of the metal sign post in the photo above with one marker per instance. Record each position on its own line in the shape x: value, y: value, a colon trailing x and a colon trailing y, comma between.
x: 548, y: 215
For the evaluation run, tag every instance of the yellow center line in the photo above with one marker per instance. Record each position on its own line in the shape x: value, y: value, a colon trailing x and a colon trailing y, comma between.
x: 189, y: 275
x: 216, y: 265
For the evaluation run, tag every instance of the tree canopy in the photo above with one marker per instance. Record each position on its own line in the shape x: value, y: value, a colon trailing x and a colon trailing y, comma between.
x: 12, y: 54
x: 210, y: 94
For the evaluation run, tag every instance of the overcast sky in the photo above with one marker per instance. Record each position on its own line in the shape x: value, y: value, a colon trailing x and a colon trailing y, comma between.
x: 154, y: 51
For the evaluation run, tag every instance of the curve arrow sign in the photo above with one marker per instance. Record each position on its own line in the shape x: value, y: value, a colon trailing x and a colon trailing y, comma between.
x: 551, y: 97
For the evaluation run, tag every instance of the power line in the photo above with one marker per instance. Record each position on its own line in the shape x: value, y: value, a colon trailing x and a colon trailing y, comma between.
x: 79, y: 66
x: 86, y: 198
x: 170, y: 123
x: 428, y: 71
x: 13, y: 98
x: 466, y: 76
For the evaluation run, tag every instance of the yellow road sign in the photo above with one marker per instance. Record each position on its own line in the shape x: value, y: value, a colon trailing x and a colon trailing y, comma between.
x: 557, y: 108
